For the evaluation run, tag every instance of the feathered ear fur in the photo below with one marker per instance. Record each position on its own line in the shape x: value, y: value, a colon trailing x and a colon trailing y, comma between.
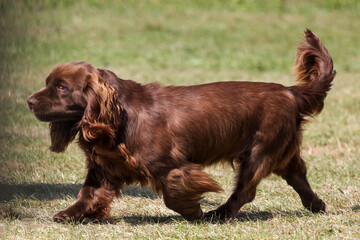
x: 62, y: 133
x: 102, y: 117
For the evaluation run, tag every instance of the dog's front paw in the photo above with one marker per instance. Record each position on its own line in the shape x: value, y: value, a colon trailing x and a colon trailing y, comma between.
x: 62, y: 216
x: 317, y: 206
x: 220, y: 214
x: 214, y: 216
x: 67, y: 215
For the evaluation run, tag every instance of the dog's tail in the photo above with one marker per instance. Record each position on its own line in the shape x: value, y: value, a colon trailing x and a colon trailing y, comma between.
x: 314, y: 70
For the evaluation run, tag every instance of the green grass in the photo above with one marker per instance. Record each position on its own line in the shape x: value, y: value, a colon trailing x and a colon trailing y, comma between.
x: 177, y: 42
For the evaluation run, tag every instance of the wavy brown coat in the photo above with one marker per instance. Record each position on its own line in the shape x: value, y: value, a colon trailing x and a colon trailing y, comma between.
x: 165, y: 135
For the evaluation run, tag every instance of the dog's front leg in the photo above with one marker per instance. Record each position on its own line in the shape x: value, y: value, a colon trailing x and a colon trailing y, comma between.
x: 93, y: 201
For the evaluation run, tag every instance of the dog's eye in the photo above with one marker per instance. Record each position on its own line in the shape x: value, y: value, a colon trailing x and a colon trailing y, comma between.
x: 61, y: 87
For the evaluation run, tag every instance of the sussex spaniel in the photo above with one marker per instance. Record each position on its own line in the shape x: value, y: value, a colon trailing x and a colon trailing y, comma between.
x: 164, y: 135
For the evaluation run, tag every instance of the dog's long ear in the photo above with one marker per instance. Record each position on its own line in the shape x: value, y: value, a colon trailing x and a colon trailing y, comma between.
x: 62, y: 133
x: 103, y: 115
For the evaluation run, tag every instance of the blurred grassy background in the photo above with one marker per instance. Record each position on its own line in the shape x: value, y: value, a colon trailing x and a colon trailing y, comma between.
x: 177, y: 42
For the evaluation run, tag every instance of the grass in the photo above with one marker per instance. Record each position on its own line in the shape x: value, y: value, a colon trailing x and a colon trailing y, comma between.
x: 177, y: 42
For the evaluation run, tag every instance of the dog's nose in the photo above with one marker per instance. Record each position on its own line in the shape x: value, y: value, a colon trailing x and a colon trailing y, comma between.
x: 31, y: 102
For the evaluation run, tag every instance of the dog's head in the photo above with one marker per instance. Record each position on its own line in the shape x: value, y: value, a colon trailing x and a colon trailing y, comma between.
x: 76, y: 97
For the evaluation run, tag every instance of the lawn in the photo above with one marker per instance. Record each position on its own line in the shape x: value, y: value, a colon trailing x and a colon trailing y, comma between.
x: 179, y: 43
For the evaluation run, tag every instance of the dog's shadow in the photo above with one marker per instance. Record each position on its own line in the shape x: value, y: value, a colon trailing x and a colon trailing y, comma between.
x: 39, y: 191
x: 53, y: 191
x: 252, y: 216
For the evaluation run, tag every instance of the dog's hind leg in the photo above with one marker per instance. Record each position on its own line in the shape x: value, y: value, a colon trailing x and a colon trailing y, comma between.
x: 252, y: 170
x: 295, y: 176
x: 243, y: 193
x: 184, y: 188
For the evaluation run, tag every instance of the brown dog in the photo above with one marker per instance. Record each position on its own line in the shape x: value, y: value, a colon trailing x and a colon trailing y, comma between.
x: 165, y: 135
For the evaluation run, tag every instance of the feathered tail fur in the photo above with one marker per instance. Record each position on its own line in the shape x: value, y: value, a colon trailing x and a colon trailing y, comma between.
x: 314, y: 70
